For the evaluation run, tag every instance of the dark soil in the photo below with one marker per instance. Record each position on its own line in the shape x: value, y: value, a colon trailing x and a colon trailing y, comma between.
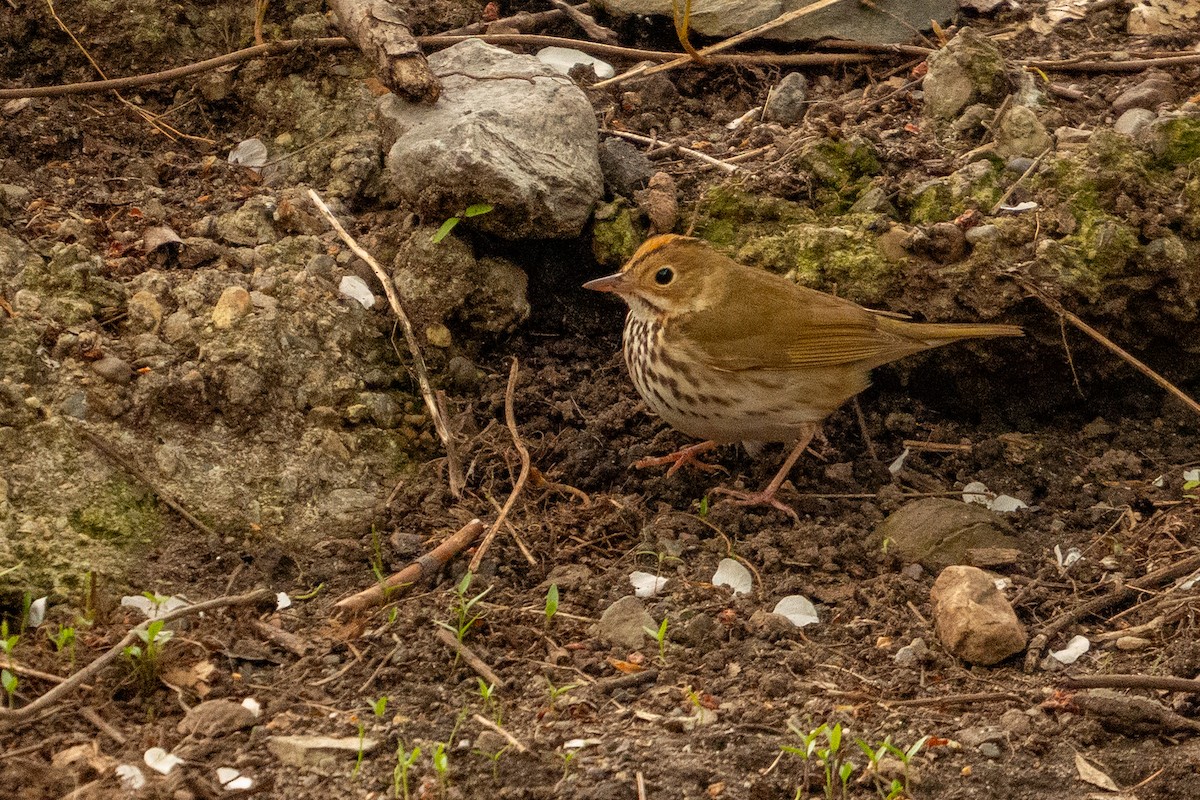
x: 1079, y: 438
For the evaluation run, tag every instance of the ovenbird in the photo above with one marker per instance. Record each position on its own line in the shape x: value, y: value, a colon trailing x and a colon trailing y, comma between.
x: 728, y: 353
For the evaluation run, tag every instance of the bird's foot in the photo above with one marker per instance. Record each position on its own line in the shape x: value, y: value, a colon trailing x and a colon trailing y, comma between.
x: 682, y: 458
x: 764, y: 498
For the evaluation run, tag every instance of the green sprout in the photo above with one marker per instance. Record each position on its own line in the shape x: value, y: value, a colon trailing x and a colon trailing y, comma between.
x: 660, y: 636
x: 358, y: 760
x: 471, y: 211
x: 7, y: 643
x: 556, y: 692
x: 9, y: 681
x: 379, y: 706
x: 441, y: 768
x: 404, y: 762
x: 463, y: 608
x: 144, y: 658
x: 551, y: 603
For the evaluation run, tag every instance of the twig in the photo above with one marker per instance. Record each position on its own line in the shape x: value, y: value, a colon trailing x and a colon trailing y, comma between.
x: 522, y: 21
x: 441, y: 40
x: 1057, y: 308
x: 586, y: 23
x: 1132, y: 65
x: 422, y: 568
x: 511, y: 420
x: 1155, y: 682
x: 102, y: 444
x: 101, y: 724
x: 487, y: 723
x: 610, y: 685
x: 468, y: 655
x: 19, y: 715
x: 389, y: 288
x: 1097, y: 604
x: 696, y: 154
x: 641, y: 786
x: 779, y: 21
x: 956, y: 699
x: 19, y: 669
x: 1020, y: 180
x: 936, y: 447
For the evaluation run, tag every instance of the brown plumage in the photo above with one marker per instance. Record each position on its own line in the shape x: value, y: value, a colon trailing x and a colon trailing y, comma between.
x: 727, y: 353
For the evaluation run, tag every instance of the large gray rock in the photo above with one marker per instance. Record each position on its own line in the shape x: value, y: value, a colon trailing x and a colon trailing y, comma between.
x: 723, y: 18
x: 969, y: 69
x: 937, y: 532
x: 509, y: 131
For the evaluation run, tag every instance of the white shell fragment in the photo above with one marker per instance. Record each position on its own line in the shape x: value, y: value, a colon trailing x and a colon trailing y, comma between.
x: 160, y: 760
x: 564, y: 58
x: 252, y: 705
x: 356, y: 289
x: 798, y: 609
x: 282, y: 601
x: 645, y: 584
x: 978, y: 493
x: 1074, y: 649
x: 898, y: 464
x: 130, y: 776
x: 1067, y: 559
x: 37, y: 613
x: 233, y: 780
x: 732, y: 573
x: 249, y: 153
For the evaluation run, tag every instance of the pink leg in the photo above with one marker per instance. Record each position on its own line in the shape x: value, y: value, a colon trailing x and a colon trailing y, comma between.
x: 766, y: 497
x: 681, y: 458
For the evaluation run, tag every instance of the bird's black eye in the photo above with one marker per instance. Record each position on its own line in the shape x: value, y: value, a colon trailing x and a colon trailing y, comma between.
x: 664, y: 276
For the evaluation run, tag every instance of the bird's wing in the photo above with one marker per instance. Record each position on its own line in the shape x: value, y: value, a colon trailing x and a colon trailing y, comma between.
x: 767, y: 322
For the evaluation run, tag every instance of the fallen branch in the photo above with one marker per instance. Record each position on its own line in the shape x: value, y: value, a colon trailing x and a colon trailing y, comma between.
x: 586, y: 22
x: 418, y: 570
x: 511, y: 420
x: 380, y: 30
x: 1111, y: 598
x: 468, y: 655
x: 19, y: 715
x: 1132, y: 65
x: 439, y: 421
x: 1152, y: 682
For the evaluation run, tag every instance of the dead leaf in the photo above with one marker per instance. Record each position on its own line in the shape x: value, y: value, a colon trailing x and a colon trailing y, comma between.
x: 1094, y: 776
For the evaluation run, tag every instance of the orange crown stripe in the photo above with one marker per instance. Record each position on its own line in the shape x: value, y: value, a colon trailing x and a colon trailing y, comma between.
x: 655, y: 243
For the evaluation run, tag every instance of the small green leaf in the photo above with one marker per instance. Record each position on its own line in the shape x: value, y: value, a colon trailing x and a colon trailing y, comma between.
x: 477, y: 210
x: 444, y: 231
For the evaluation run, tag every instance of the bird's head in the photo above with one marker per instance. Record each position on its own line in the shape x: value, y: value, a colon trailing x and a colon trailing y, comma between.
x: 668, y: 274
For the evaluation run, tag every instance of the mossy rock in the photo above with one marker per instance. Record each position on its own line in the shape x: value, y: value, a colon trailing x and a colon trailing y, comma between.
x: 616, y: 233
x: 849, y: 260
x: 978, y: 185
x: 731, y: 216
x: 841, y: 170
x: 1174, y: 142
x: 119, y: 513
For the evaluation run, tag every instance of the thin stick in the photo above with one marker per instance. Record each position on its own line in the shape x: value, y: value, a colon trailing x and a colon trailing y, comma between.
x: 641, y: 785
x: 102, y: 444
x: 487, y: 723
x: 511, y: 420
x: 439, y: 421
x: 936, y: 447
x: 956, y: 699
x: 1057, y: 308
x: 1020, y: 180
x: 753, y: 33
x: 468, y: 655
x: 1132, y: 65
x: 92, y: 716
x: 18, y: 669
x: 696, y: 154
x: 20, y: 715
x: 1156, y: 682
x: 422, y: 568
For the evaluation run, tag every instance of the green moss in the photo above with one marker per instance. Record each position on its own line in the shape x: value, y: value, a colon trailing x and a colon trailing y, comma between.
x: 1176, y: 142
x: 1094, y: 256
x: 730, y: 216
x: 119, y: 512
x: 841, y: 170
x: 827, y: 258
x: 616, y: 233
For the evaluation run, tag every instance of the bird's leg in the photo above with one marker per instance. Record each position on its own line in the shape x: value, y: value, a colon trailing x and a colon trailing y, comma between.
x: 766, y: 497
x: 681, y: 458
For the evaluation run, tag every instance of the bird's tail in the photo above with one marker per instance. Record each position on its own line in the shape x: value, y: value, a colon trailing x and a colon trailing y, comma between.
x: 934, y: 334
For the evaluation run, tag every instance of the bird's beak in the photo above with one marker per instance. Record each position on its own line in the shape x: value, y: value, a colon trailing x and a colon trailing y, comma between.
x: 609, y: 283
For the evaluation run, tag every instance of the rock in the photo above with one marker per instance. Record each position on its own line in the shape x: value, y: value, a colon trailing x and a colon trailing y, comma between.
x: 624, y: 623
x: 1017, y: 722
x: 1021, y: 133
x: 233, y: 304
x: 973, y: 619
x: 938, y: 532
x: 145, y: 312
x: 912, y: 653
x: 178, y: 328
x: 113, y: 370
x: 1132, y: 121
x: 214, y: 718
x: 625, y: 167
x: 969, y: 69
x: 659, y: 203
x: 320, y: 753
x: 982, y: 233
x: 250, y: 225
x: 1152, y: 92
x: 786, y: 102
x: 509, y: 131
x: 724, y: 18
